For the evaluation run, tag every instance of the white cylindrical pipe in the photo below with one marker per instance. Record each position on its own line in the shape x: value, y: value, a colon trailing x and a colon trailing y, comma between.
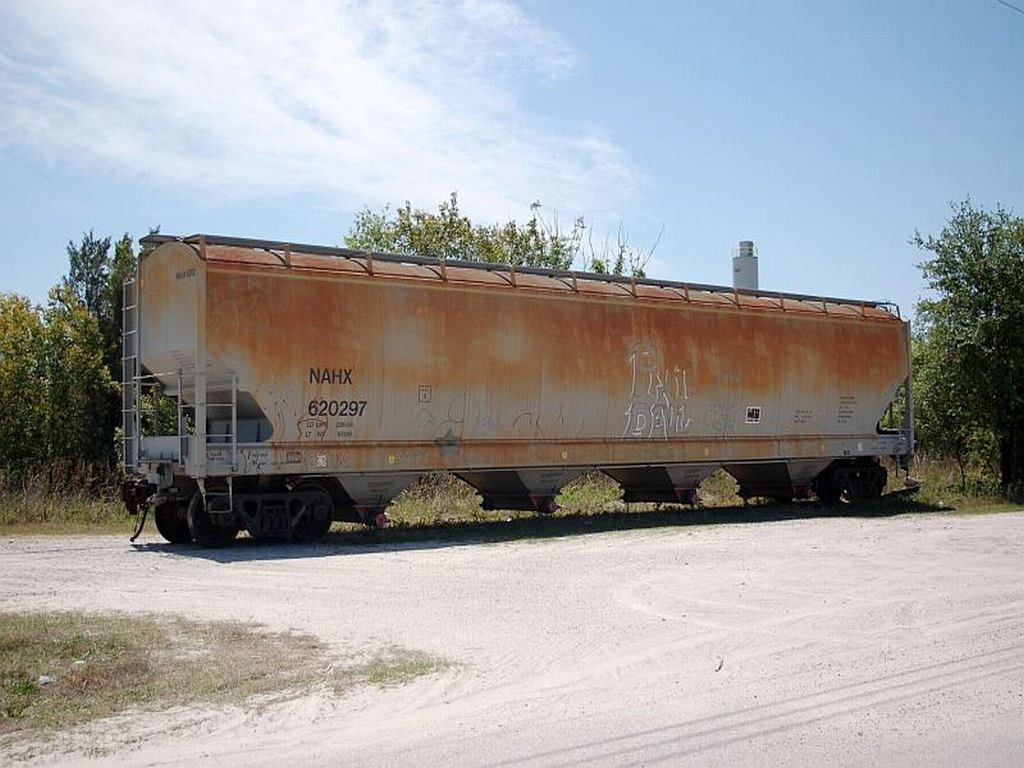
x: 744, y: 267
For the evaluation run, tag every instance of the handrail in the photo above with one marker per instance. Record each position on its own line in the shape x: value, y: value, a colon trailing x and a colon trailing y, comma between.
x: 230, y: 384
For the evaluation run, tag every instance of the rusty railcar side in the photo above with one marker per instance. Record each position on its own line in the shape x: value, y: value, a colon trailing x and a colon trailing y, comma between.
x: 352, y: 374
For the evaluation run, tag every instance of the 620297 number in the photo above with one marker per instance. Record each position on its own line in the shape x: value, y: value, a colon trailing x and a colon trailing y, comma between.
x: 337, y: 407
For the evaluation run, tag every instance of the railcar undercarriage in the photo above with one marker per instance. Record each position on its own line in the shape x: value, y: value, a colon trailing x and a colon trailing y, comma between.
x: 302, y: 509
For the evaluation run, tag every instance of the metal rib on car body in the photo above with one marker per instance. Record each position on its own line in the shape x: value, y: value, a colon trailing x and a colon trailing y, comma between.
x: 301, y: 370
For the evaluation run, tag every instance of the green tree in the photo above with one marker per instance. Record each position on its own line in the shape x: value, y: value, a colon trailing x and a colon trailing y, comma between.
x: 96, y: 278
x: 22, y: 387
x: 78, y: 384
x: 971, y: 335
x: 89, y: 272
x: 55, y: 387
x: 942, y: 424
x: 58, y: 366
x: 449, y: 234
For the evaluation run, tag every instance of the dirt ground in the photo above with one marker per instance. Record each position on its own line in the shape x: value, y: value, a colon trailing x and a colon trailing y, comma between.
x: 831, y: 641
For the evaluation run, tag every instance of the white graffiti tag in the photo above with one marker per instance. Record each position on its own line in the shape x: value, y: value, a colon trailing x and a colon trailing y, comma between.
x: 657, y: 397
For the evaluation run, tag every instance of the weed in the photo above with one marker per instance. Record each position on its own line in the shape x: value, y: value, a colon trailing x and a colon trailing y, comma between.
x: 396, y: 666
x: 62, y: 669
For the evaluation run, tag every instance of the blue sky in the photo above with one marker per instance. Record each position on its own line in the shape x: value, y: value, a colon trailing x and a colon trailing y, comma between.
x: 826, y: 132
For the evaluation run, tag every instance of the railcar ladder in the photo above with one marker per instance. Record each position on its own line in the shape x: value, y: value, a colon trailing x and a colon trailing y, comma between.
x: 227, y: 413
x: 130, y: 384
x: 221, y: 384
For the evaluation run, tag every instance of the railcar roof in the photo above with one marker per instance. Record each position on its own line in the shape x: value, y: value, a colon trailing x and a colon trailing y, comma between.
x: 270, y: 253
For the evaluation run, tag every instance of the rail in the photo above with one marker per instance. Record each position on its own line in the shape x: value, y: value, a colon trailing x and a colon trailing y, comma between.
x: 367, y: 258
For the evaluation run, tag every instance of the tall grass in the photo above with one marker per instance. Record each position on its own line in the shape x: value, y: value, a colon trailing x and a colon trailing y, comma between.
x: 62, y: 497
x: 945, y: 484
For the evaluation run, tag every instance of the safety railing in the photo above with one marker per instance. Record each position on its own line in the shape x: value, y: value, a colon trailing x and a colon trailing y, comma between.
x: 170, y: 421
x: 365, y: 259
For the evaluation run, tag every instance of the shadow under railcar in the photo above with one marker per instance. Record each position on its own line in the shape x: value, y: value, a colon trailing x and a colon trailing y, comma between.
x: 498, y: 528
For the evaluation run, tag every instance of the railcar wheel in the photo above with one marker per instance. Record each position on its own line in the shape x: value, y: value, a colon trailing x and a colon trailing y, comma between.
x: 172, y: 522
x: 830, y: 495
x: 827, y: 488
x: 202, y: 525
x: 316, y: 516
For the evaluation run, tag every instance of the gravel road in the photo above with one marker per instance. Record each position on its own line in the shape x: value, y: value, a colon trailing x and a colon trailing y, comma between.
x: 832, y: 641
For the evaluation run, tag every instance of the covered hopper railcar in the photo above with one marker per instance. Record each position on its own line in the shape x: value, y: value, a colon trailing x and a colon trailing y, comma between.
x: 309, y: 384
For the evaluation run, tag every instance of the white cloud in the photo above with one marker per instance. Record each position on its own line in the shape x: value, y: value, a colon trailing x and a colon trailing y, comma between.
x: 352, y: 103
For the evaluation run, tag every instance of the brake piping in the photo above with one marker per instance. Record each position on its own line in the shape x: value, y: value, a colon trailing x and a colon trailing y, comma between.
x: 142, y: 522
